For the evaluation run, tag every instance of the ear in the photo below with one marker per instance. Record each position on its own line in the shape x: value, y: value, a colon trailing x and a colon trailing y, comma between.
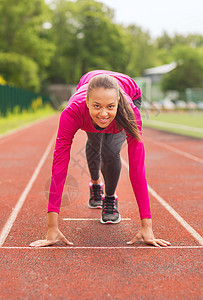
x: 87, y: 102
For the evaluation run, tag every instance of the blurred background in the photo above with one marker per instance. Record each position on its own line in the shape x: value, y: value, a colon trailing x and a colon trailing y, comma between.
x: 46, y: 46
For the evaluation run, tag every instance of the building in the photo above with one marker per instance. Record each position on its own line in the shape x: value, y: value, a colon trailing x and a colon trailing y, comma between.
x: 155, y: 74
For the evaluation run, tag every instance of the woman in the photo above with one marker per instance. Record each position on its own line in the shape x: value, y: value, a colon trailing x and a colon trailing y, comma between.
x: 103, y: 107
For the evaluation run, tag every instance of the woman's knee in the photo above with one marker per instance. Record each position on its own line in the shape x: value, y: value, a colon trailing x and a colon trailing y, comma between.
x: 93, y: 141
x: 111, y: 146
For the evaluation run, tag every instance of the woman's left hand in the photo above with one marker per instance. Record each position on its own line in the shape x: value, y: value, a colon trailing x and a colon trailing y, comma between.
x: 146, y: 235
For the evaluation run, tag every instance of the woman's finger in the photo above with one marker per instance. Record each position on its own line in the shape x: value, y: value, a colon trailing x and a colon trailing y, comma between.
x: 65, y: 240
x: 153, y: 242
x: 43, y: 243
x: 33, y: 244
x: 138, y: 237
x: 166, y: 242
x: 163, y: 243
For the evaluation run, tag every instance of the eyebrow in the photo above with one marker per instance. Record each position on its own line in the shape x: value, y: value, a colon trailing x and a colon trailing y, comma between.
x: 95, y: 102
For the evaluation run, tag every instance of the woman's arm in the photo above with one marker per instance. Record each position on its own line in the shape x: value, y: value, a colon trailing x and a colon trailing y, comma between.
x: 145, y: 234
x: 69, y: 124
x: 136, y: 154
x: 54, y: 235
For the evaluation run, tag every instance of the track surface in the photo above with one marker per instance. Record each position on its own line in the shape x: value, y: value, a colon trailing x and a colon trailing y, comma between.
x: 100, y: 265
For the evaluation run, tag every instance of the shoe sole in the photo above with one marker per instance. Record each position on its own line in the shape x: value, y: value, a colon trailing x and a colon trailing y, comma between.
x: 111, y: 222
x: 98, y: 206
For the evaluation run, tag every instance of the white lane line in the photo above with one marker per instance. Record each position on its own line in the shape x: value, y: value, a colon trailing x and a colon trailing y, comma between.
x: 7, y: 227
x: 133, y: 247
x: 174, y: 125
x: 183, y: 153
x: 86, y: 219
x: 172, y: 211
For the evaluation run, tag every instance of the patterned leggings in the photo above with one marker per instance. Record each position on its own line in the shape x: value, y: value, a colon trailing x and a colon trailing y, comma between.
x: 103, y: 151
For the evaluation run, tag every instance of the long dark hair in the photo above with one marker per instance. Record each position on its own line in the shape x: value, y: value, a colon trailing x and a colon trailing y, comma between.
x: 125, y: 117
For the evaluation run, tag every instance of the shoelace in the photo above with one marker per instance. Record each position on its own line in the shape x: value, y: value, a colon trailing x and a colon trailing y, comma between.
x: 96, y: 192
x: 109, y: 205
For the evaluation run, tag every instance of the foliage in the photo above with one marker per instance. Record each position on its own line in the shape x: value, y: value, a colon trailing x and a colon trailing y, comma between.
x: 92, y: 40
x: 36, y: 103
x: 189, y: 71
x: 19, y: 119
x: 167, y: 42
x: 140, y: 51
x: 22, y: 32
x: 2, y: 80
x: 83, y: 36
x: 20, y: 71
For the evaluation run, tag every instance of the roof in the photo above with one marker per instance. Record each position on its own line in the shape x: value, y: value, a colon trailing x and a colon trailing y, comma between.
x: 161, y: 69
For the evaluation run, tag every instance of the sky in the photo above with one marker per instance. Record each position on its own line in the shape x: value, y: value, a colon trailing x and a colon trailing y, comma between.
x: 156, y: 16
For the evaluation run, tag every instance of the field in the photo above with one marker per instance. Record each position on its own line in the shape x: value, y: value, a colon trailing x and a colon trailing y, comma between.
x: 14, y: 121
x: 186, y: 123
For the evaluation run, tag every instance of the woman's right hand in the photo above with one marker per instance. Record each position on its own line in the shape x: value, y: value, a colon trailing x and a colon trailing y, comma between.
x: 53, y: 236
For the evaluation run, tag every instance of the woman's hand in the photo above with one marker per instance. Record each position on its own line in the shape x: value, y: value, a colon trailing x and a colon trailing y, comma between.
x: 53, y: 236
x: 146, y: 235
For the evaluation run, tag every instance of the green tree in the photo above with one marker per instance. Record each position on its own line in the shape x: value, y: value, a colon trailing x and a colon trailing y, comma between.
x: 86, y: 39
x: 189, y: 71
x: 19, y: 71
x: 167, y: 42
x: 102, y: 45
x: 140, y: 51
x: 22, y: 31
x: 165, y: 45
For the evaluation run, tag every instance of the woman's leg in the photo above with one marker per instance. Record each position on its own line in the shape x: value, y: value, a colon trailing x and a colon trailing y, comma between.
x: 111, y: 161
x: 111, y: 167
x: 93, y: 154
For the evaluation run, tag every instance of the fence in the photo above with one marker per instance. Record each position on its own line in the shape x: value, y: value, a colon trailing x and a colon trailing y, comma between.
x: 194, y: 94
x: 12, y: 99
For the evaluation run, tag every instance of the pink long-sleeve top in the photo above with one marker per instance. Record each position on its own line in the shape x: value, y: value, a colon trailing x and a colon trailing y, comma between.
x: 76, y: 116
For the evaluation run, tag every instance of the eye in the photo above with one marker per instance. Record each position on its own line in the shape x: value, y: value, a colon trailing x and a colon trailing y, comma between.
x: 96, y: 106
x: 111, y: 106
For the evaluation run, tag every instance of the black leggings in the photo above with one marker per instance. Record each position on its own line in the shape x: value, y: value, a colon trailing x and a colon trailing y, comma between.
x: 103, y: 151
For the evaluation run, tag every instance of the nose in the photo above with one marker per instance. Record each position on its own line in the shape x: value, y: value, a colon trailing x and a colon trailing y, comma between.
x: 103, y: 113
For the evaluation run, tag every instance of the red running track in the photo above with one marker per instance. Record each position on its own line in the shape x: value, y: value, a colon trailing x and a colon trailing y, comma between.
x: 99, y: 265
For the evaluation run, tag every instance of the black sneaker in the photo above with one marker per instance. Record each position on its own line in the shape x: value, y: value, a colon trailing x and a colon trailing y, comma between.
x: 96, y: 195
x: 110, y: 212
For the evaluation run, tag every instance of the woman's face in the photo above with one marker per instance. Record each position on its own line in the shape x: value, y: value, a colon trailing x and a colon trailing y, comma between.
x: 102, y: 104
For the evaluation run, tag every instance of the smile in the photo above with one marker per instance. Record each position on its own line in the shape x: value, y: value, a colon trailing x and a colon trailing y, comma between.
x: 103, y: 121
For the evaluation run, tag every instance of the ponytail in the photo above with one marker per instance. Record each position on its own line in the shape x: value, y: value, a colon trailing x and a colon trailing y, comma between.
x: 125, y: 117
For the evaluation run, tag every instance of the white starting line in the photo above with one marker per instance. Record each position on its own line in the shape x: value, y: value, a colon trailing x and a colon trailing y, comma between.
x: 86, y: 219
x: 106, y: 248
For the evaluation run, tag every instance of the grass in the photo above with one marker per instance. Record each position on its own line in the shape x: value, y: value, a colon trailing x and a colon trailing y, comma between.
x: 191, y: 119
x: 13, y: 121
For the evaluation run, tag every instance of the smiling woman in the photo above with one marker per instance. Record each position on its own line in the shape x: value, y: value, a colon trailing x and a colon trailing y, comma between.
x: 106, y: 101
x: 102, y: 104
x: 104, y: 107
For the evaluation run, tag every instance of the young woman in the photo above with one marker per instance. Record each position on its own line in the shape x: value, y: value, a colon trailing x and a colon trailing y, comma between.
x: 103, y: 107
